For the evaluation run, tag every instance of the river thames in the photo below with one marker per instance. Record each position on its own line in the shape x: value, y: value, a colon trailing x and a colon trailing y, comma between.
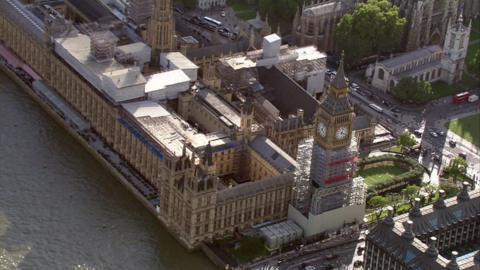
x: 60, y: 209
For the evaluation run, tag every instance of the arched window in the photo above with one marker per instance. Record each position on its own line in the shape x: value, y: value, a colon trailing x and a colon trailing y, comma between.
x: 381, y: 74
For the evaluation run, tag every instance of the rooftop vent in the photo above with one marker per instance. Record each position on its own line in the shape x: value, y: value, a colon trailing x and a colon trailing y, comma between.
x: 463, y: 194
x: 408, y: 227
x: 432, y: 250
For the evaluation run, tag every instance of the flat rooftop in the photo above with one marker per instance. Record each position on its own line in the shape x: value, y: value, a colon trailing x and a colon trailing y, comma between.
x: 170, y: 130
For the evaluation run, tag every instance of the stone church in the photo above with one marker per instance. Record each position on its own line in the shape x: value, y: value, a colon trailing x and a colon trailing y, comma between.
x: 426, y: 21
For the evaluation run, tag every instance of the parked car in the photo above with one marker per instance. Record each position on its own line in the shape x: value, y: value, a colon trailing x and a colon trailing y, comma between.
x: 433, y: 134
x: 463, y: 155
x: 441, y: 133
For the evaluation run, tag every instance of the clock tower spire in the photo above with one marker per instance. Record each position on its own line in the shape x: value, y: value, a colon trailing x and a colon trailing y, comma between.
x: 334, y: 118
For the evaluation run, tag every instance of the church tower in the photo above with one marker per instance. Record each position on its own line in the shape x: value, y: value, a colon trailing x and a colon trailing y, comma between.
x: 455, y: 50
x: 161, y: 30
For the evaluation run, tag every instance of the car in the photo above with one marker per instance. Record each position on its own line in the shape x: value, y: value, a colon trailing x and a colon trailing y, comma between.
x: 223, y: 14
x: 441, y: 133
x: 354, y: 85
x: 463, y: 155
x: 436, y: 158
x: 452, y: 143
x: 433, y: 134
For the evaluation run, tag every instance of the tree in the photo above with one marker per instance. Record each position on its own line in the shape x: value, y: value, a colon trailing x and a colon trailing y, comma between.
x: 457, y: 168
x: 410, y: 193
x: 374, y: 27
x: 406, y: 140
x: 430, y: 190
x: 474, y: 64
x: 410, y: 90
x: 450, y: 189
x: 395, y: 200
x: 377, y: 202
x: 278, y: 10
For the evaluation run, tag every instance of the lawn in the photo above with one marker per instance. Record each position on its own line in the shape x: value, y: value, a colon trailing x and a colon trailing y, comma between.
x: 467, y: 128
x: 374, y: 176
x: 442, y: 89
x: 243, y: 10
x: 245, y: 249
x: 475, y: 32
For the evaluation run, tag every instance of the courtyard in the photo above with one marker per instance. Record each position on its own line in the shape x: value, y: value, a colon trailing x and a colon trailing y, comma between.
x: 468, y: 128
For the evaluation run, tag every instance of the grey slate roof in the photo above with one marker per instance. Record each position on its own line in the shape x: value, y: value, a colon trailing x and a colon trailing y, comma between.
x: 273, y: 154
x: 432, y: 218
x: 411, y: 56
x: 361, y: 122
x: 287, y: 95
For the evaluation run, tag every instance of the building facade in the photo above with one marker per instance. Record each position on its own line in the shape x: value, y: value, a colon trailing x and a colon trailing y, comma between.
x: 208, y: 184
x: 315, y: 24
x: 424, y: 237
x: 431, y: 63
x: 427, y: 21
x: 208, y: 4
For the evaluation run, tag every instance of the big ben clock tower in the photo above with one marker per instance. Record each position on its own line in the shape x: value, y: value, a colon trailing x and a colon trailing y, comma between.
x: 334, y: 196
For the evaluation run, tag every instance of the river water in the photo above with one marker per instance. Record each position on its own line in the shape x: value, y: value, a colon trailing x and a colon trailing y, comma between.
x: 60, y: 209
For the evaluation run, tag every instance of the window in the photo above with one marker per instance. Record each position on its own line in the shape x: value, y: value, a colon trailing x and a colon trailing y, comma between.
x: 381, y: 74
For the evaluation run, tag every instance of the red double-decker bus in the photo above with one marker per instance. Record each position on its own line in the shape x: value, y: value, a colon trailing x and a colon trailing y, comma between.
x: 461, y: 97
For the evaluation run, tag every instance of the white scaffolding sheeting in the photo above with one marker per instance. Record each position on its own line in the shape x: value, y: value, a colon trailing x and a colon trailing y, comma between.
x: 302, y: 186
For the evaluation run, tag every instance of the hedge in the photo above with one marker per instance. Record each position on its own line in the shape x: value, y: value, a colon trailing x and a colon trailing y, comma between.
x: 413, y: 176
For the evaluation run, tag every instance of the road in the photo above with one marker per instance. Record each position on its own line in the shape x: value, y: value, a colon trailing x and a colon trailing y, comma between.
x: 431, y: 117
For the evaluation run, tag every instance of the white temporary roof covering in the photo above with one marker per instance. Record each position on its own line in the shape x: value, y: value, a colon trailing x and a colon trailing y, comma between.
x: 163, y: 80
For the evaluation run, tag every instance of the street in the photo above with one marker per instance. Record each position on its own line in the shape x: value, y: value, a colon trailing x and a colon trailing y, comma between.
x: 432, y: 117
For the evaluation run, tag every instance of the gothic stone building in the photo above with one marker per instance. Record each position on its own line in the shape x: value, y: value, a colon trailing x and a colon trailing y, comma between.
x: 315, y: 24
x: 431, y: 63
x: 427, y: 21
x: 424, y: 237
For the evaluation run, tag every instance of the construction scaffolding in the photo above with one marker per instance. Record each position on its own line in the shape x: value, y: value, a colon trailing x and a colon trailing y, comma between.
x: 140, y: 10
x: 103, y: 45
x: 302, y: 185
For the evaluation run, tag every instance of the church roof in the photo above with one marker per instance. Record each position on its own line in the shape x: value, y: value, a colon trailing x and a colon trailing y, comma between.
x: 326, y: 8
x: 411, y: 56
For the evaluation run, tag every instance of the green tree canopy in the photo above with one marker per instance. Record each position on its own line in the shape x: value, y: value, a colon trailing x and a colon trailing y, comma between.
x: 406, y: 140
x: 278, y: 10
x: 410, y: 90
x: 474, y: 64
x: 450, y: 189
x: 374, y: 27
x: 457, y: 168
x: 411, y: 192
x: 377, y: 202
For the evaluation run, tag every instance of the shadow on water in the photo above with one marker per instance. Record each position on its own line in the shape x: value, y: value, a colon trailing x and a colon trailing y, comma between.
x: 60, y: 209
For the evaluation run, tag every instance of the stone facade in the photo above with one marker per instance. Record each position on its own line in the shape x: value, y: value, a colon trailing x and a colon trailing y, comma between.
x: 315, y: 24
x: 430, y: 64
x: 427, y: 21
x: 195, y: 204
x: 207, y: 4
x: 423, y: 237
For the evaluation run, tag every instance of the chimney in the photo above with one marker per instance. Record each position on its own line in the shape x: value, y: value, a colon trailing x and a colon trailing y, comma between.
x: 408, y: 227
x: 432, y: 250
x: 440, y: 203
x: 463, y: 194
x: 389, y: 219
x: 415, y: 211
x: 452, y: 265
x: 300, y: 113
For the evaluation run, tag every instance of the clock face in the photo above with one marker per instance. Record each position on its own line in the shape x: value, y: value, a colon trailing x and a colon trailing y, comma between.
x: 322, y: 129
x: 341, y: 133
